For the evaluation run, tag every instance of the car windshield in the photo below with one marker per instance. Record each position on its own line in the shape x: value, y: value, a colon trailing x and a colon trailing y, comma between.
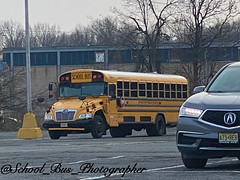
x: 227, y: 81
x: 82, y: 89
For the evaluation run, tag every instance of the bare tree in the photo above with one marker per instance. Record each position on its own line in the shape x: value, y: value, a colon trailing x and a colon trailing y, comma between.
x: 149, y: 18
x: 81, y: 36
x: 13, y: 33
x: 105, y: 31
x: 12, y: 90
x: 199, y: 23
x: 232, y: 33
x: 63, y: 39
x: 44, y: 35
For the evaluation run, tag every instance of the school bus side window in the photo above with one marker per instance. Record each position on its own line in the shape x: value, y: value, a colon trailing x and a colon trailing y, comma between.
x: 155, y: 90
x: 142, y: 89
x: 149, y: 90
x: 119, y: 89
x: 133, y: 89
x: 173, y: 90
x: 126, y: 89
x: 184, y: 91
x: 167, y: 90
x: 161, y: 90
x: 179, y: 91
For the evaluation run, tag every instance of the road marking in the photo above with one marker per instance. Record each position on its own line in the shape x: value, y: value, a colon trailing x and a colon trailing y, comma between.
x: 77, y: 162
x: 172, y: 167
x: 235, y: 159
x: 200, y: 170
x: 94, y: 159
x: 116, y: 157
x: 136, y: 142
x: 164, y: 168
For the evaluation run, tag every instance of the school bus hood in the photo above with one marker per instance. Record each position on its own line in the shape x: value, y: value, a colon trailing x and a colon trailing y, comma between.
x: 75, y: 103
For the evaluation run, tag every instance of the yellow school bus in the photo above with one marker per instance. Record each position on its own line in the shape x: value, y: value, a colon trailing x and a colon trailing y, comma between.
x: 93, y: 101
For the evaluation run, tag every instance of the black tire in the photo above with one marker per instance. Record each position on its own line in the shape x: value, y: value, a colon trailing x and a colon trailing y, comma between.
x: 158, y: 129
x: 98, y: 127
x: 194, y: 163
x: 117, y: 132
x: 54, y: 134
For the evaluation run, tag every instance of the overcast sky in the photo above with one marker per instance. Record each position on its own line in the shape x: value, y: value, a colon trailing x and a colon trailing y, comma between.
x: 65, y: 13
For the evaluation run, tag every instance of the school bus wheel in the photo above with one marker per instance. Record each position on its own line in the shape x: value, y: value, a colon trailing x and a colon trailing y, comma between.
x: 54, y: 134
x: 98, y: 127
x: 119, y: 132
x: 158, y: 129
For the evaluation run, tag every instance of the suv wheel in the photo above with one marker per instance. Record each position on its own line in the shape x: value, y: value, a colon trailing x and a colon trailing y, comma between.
x: 194, y: 163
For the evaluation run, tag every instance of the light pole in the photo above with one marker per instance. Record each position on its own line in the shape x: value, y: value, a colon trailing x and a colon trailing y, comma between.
x: 28, y: 62
x: 29, y: 128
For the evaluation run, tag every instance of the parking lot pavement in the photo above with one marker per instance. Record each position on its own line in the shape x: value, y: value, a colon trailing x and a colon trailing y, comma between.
x: 81, y: 157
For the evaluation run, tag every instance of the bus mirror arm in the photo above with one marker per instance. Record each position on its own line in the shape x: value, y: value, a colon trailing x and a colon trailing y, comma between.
x: 84, y: 102
x: 50, y: 86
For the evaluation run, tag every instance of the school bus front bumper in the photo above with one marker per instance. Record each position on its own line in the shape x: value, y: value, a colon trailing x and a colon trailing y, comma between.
x: 84, y: 125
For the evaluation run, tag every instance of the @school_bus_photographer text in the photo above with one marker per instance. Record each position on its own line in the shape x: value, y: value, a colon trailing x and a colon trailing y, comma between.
x: 88, y: 168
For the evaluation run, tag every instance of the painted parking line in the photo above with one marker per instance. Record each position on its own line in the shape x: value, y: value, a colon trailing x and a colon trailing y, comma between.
x: 94, y: 159
x: 163, y: 170
x: 203, y: 171
x: 134, y: 142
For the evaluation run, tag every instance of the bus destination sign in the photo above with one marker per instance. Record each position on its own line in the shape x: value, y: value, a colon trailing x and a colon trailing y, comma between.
x: 81, y: 77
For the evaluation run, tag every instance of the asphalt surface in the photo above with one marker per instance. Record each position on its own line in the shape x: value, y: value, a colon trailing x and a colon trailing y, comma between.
x: 79, y: 157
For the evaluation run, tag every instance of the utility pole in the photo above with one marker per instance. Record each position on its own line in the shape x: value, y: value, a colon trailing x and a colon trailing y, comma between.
x: 29, y: 128
x: 1, y: 80
x: 28, y: 62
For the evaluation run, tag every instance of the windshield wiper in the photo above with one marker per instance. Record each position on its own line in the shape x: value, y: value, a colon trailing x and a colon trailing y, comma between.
x: 216, y: 91
x: 221, y: 91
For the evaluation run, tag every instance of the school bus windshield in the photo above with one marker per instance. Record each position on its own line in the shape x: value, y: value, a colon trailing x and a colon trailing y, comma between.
x: 82, y: 89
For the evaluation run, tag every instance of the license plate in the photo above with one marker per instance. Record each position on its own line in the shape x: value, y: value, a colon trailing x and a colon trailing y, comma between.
x: 81, y: 77
x: 64, y: 125
x: 228, y: 137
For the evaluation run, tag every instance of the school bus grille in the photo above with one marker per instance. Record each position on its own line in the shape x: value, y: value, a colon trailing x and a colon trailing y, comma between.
x: 65, y: 115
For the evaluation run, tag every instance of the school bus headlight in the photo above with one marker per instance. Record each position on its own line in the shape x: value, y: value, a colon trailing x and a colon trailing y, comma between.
x: 190, y: 112
x: 47, y: 116
x: 85, y: 116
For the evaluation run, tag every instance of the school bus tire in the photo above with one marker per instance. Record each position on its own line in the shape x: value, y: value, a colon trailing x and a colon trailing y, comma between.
x: 98, y: 127
x: 116, y: 132
x: 54, y: 134
x: 158, y: 129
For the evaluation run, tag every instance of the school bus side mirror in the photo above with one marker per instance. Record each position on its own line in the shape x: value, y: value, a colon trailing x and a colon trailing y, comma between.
x: 50, y: 87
